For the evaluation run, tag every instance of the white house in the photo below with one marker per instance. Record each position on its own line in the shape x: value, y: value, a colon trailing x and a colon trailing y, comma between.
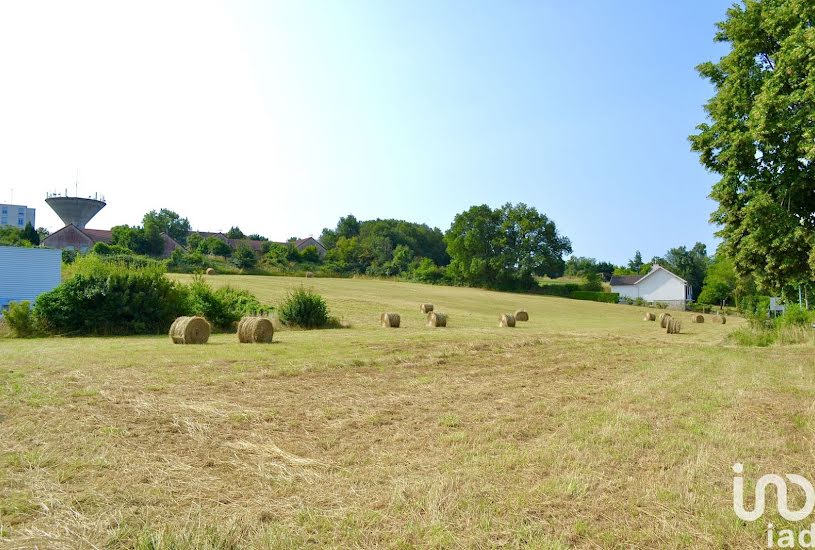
x: 658, y: 285
x: 25, y: 273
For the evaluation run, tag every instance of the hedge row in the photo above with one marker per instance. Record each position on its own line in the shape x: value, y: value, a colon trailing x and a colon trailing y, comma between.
x: 609, y: 297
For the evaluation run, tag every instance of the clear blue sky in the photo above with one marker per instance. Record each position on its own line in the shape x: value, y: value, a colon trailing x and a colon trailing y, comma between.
x: 282, y: 116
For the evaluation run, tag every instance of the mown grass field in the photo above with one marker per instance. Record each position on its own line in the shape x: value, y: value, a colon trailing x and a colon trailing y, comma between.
x: 586, y: 427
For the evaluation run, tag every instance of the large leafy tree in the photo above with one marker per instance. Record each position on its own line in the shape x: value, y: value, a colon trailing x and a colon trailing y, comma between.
x: 760, y: 138
x: 30, y: 234
x: 141, y: 240
x: 168, y: 222
x: 506, y: 247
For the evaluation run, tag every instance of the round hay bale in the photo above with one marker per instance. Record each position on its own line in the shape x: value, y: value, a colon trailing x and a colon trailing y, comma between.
x: 507, y: 320
x: 426, y: 308
x: 210, y: 271
x: 663, y: 320
x: 190, y: 330
x: 674, y: 326
x: 436, y: 319
x: 255, y: 330
x: 649, y: 316
x: 697, y: 319
x: 309, y: 274
x: 390, y: 320
x: 521, y: 315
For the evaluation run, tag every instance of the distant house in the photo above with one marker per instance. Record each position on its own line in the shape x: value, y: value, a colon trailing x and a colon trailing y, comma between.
x: 257, y: 246
x: 72, y: 238
x: 658, y: 285
x: 27, y: 273
x: 302, y: 244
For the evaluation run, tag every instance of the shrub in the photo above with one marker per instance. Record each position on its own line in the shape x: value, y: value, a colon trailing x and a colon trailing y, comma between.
x: 21, y: 320
x: 244, y: 257
x: 104, y: 249
x: 639, y: 301
x: 593, y: 282
x: 795, y: 316
x: 607, y: 297
x: 108, y: 298
x: 224, y: 307
x: 68, y: 255
x: 303, y: 308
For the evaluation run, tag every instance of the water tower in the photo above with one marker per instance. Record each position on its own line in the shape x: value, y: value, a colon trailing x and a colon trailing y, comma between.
x: 75, y: 210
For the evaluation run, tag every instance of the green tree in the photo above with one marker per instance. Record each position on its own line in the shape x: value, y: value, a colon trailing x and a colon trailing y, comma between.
x: 168, y: 222
x: 30, y: 234
x: 504, y: 248
x: 310, y: 254
x: 244, y: 257
x: 146, y: 241
x: 235, y: 233
x: 760, y: 138
x: 215, y: 246
x: 635, y: 264
x: 720, y: 282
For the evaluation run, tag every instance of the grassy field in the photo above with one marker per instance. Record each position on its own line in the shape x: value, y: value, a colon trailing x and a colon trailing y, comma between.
x: 585, y: 427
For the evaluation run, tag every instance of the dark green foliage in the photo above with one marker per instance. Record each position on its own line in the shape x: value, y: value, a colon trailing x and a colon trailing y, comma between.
x: 223, y: 307
x: 303, y: 308
x: 69, y: 255
x: 504, y: 248
x: 310, y: 254
x: 691, y: 264
x: 21, y: 320
x: 11, y: 236
x: 760, y: 139
x: 795, y: 316
x: 141, y: 240
x: 104, y: 249
x: 167, y: 221
x: 563, y: 291
x: 244, y: 257
x: 635, y: 264
x: 30, y: 234
x: 608, y: 297
x: 425, y: 271
x: 235, y: 233
x: 720, y: 282
x: 111, y: 299
x: 369, y: 246
x: 215, y: 246
x: 755, y: 305
x: 256, y: 237
x: 593, y: 282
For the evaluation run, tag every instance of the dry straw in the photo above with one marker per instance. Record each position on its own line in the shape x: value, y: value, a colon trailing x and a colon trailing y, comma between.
x: 190, y: 330
x: 521, y: 315
x: 426, y: 308
x: 390, y: 320
x: 435, y: 319
x: 255, y: 330
x: 649, y: 316
x: 507, y: 320
x: 697, y: 319
x: 674, y: 326
x: 210, y: 271
x: 309, y: 274
x: 663, y: 320
x: 720, y: 319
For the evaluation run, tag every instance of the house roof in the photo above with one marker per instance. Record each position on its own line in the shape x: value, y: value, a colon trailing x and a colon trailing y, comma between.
x: 98, y: 235
x: 626, y: 280
x: 623, y: 280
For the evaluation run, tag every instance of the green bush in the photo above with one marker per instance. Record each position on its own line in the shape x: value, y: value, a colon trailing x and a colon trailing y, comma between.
x: 303, y: 308
x: 563, y: 291
x: 607, y: 297
x: 21, y: 320
x: 68, y: 255
x: 104, y: 249
x: 593, y: 282
x: 107, y: 298
x: 223, y: 307
x: 795, y: 316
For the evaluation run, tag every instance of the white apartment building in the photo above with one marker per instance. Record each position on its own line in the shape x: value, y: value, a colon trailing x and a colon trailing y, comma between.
x: 16, y: 215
